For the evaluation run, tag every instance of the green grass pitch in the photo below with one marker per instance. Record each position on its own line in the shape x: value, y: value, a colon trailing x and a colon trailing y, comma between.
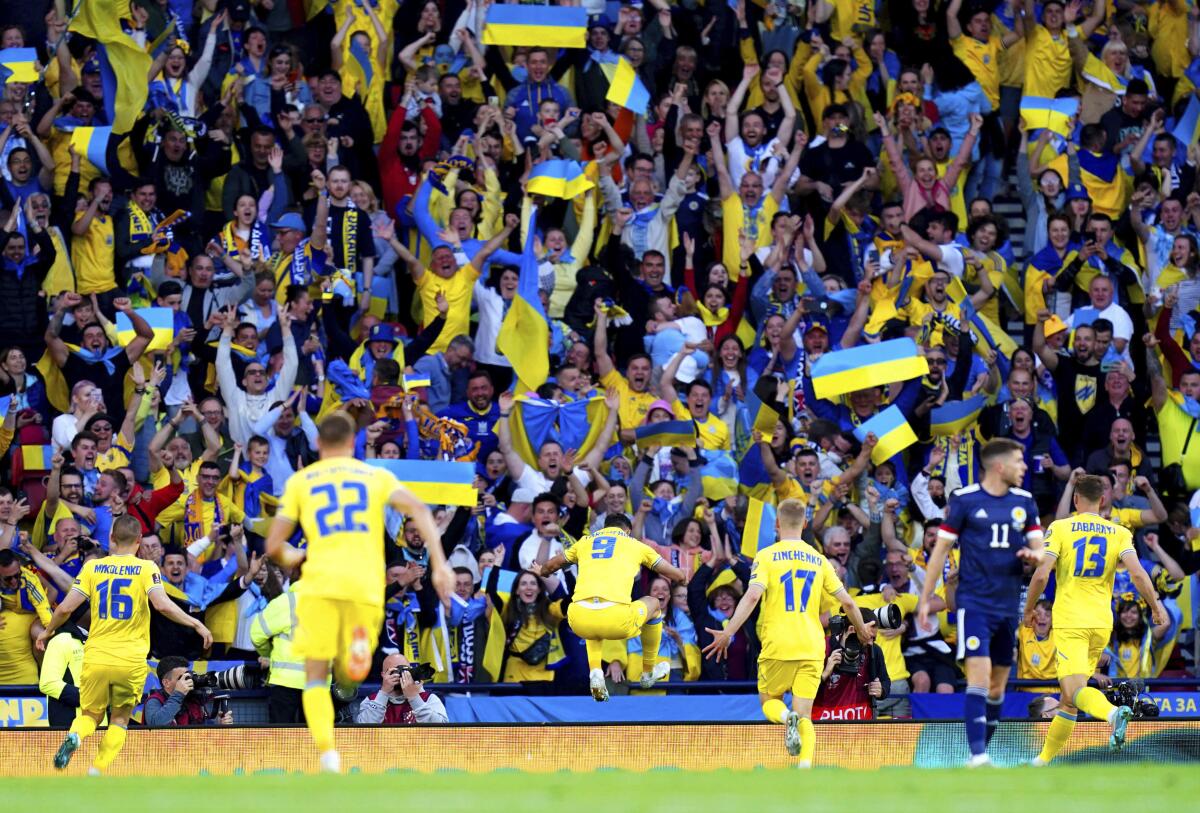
x: 1094, y: 788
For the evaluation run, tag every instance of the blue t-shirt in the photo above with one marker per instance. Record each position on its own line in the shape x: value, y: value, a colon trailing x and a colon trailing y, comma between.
x: 990, y: 530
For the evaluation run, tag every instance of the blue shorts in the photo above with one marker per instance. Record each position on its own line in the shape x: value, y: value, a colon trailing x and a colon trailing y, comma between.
x: 985, y: 635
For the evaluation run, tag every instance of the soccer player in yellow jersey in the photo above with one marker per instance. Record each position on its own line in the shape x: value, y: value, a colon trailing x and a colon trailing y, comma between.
x: 794, y: 578
x: 339, y: 504
x: 609, y: 560
x: 121, y: 588
x: 1083, y: 551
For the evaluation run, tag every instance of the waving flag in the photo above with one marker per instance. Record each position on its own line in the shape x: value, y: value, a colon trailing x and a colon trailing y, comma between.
x: 360, y: 64
x: 436, y: 482
x: 1055, y: 115
x: 161, y: 320
x: 667, y: 433
x: 413, y: 381
x: 892, y: 430
x: 573, y: 425
x: 1187, y: 130
x: 549, y: 26
x: 92, y: 144
x: 524, y: 336
x: 956, y: 417
x: 753, y: 479
x: 627, y: 90
x: 558, y: 178
x: 869, y: 365
x: 18, y: 65
x: 718, y: 475
x: 759, y: 530
x: 124, y: 65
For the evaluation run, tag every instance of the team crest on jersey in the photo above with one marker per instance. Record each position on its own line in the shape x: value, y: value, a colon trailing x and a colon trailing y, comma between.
x: 1085, y: 392
x: 154, y: 578
x: 973, y: 643
x: 1018, y: 516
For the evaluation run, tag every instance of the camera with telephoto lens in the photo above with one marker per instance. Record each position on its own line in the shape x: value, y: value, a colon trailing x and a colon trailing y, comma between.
x: 242, y: 676
x: 1126, y: 693
x: 887, y: 617
x: 420, y: 672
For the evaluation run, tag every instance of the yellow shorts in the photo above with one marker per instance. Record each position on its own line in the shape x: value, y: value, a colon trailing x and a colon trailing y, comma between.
x: 801, y: 678
x: 105, y: 684
x: 1079, y: 650
x: 616, y: 622
x: 325, y: 626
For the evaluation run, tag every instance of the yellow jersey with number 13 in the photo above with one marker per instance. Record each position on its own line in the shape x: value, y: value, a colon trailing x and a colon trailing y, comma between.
x: 118, y: 590
x: 339, y: 503
x: 1087, y: 548
x: 609, y: 560
x: 794, y: 577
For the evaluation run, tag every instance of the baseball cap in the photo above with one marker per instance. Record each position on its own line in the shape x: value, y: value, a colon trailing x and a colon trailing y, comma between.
x: 661, y: 404
x: 382, y: 332
x: 1077, y: 191
x: 290, y: 220
x: 1054, y: 325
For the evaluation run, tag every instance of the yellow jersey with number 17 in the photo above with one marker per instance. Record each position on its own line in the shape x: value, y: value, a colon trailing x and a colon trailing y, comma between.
x: 794, y: 577
x: 118, y: 590
x: 339, y: 503
x: 1087, y: 548
x: 609, y: 560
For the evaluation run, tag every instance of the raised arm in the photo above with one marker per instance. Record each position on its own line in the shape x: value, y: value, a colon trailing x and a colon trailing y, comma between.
x: 732, y: 130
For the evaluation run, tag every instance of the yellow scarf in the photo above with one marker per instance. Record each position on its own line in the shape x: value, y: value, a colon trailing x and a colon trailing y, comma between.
x: 711, y: 319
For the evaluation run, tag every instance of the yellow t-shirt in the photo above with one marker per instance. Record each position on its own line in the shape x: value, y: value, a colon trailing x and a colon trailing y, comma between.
x: 852, y: 18
x: 609, y: 560
x: 983, y: 60
x: 162, y: 477
x: 1173, y: 427
x: 712, y: 432
x: 1047, y: 63
x: 458, y: 291
x: 1087, y: 548
x: 634, y: 405
x: 118, y: 589
x: 1036, y: 657
x: 795, y: 578
x: 891, y: 645
x: 182, y: 530
x: 1011, y: 59
x: 733, y: 220
x: 339, y: 503
x: 93, y: 256
x: 117, y: 455
x: 1168, y: 28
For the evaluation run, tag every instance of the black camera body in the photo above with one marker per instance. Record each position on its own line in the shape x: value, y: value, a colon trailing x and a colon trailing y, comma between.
x: 420, y: 672
x: 887, y: 617
x: 1126, y: 693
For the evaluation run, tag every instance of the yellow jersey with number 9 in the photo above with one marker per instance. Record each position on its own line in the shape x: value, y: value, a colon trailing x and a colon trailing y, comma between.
x: 118, y: 590
x: 1087, y: 548
x: 609, y: 560
x: 339, y: 503
x: 795, y: 578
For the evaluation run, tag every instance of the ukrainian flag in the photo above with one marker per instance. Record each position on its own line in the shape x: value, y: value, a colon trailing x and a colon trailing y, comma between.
x: 763, y: 408
x: 558, y: 178
x: 1187, y: 130
x: 758, y: 532
x: 548, y: 26
x: 124, y: 65
x: 719, y: 475
x: 869, y: 365
x: 436, y: 482
x: 92, y: 143
x: 956, y: 417
x: 1055, y: 115
x: 161, y: 320
x: 667, y: 433
x: 19, y: 65
x: 36, y: 458
x: 753, y: 479
x: 413, y: 381
x: 627, y: 90
x: 573, y: 425
x: 892, y: 430
x: 360, y: 65
x: 524, y: 336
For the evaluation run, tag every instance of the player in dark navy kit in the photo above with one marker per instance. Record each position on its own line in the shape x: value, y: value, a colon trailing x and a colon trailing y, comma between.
x: 996, y: 526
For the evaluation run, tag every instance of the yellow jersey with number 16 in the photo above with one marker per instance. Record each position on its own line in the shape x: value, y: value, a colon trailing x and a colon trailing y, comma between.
x: 794, y: 577
x: 1087, y: 548
x: 339, y: 503
x: 118, y: 589
x: 609, y: 560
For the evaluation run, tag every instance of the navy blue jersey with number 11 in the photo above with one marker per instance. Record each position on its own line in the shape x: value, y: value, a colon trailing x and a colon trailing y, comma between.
x: 989, y: 531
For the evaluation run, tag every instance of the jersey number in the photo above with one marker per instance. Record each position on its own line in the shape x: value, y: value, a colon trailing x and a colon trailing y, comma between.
x: 113, y: 602
x: 351, y: 498
x: 789, y: 580
x: 999, y: 535
x: 603, y: 546
x: 1094, y: 561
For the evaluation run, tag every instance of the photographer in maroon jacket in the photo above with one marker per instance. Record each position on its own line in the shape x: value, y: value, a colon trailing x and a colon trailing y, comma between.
x: 855, y: 677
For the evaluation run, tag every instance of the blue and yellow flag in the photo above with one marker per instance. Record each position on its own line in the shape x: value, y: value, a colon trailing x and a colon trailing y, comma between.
x: 413, y: 380
x: 558, y: 178
x: 36, y: 458
x: 436, y: 482
x: 92, y: 144
x: 753, y: 478
x: 18, y: 65
x: 891, y: 429
x: 572, y: 425
x: 1055, y: 115
x: 627, y: 90
x: 955, y: 417
x: 360, y: 64
x: 667, y: 433
x: 161, y: 321
x: 1187, y: 130
x: 548, y: 26
x: 869, y: 365
x: 524, y: 336
x: 124, y: 65
x: 719, y: 475
x: 759, y: 530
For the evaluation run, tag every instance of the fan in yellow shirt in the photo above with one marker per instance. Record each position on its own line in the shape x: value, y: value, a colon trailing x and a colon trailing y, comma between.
x: 1083, y: 551
x: 338, y: 502
x: 609, y: 560
x: 120, y: 589
x: 795, y: 580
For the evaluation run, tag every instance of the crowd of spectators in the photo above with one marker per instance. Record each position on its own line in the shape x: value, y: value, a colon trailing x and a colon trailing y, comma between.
x: 327, y: 198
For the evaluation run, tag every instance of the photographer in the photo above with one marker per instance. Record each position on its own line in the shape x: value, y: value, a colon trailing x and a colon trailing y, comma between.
x: 177, y: 702
x: 401, y: 700
x: 854, y: 678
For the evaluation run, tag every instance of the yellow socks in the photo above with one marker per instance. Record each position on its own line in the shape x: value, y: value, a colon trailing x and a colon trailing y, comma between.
x: 808, y: 740
x: 1094, y: 703
x: 651, y: 638
x: 776, y: 711
x: 110, y: 745
x: 84, y: 726
x: 318, y: 711
x: 594, y: 650
x: 1060, y: 731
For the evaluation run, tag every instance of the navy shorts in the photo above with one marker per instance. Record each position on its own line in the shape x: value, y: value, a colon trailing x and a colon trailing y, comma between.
x: 985, y: 635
